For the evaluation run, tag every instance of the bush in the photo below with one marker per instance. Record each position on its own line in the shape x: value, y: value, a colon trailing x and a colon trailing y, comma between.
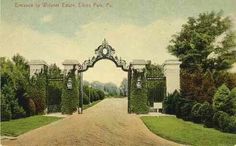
x: 186, y: 108
x: 101, y: 94
x: 32, y: 107
x: 5, y: 109
x: 17, y: 112
x: 232, y: 103
x: 232, y: 125
x: 222, y: 101
x: 206, y: 113
x: 54, y: 108
x: 196, y: 117
x: 224, y: 122
x: 169, y: 102
x: 85, y: 98
x: 215, y: 119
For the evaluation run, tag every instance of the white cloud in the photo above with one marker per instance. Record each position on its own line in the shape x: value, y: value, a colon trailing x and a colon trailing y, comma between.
x: 130, y: 41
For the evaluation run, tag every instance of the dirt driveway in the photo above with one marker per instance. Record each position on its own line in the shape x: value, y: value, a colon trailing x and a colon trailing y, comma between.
x: 105, y: 124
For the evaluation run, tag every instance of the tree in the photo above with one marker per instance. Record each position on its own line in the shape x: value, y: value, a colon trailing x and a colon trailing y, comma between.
x: 221, y: 100
x: 205, y: 43
x: 232, y: 102
x: 124, y: 87
x: 54, y: 88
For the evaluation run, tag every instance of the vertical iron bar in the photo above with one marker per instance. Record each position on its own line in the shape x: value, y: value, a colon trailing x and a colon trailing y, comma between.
x: 81, y: 94
x: 129, y: 86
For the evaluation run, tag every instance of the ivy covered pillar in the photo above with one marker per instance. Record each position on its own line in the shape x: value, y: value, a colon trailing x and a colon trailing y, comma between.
x: 138, y: 102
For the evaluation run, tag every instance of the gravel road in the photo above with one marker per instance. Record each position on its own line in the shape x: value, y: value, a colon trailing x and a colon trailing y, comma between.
x: 105, y: 124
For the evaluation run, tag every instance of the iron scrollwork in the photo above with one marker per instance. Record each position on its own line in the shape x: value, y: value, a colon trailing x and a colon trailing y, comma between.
x: 104, y: 51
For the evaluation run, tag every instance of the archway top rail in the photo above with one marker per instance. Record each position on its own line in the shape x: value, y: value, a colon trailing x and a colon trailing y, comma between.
x: 104, y: 51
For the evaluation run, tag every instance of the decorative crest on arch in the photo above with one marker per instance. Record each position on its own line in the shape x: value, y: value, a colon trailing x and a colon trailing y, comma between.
x: 104, y: 51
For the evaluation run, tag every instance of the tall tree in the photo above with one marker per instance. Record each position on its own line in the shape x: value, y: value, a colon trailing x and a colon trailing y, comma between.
x: 205, y: 43
x: 124, y: 87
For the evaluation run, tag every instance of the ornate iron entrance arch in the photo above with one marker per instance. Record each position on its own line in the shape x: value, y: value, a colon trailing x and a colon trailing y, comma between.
x: 104, y: 51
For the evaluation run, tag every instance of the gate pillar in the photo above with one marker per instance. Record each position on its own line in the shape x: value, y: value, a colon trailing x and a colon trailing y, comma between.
x: 138, y: 102
x: 172, y: 74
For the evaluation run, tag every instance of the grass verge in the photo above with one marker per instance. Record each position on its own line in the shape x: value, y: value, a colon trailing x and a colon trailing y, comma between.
x: 187, y: 132
x: 90, y: 105
x: 20, y: 126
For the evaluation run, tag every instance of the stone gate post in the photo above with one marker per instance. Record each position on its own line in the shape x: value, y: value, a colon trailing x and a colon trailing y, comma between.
x: 172, y: 74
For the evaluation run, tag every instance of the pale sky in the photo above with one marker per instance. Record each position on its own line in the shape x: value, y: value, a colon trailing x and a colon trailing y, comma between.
x: 136, y: 29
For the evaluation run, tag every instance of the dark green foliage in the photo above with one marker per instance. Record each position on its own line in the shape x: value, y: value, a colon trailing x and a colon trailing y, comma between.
x: 169, y: 103
x: 91, y: 94
x: 32, y: 107
x: 85, y: 99
x: 70, y: 97
x: 197, y: 39
x: 14, y: 76
x: 222, y: 101
x: 197, y: 85
x: 185, y: 109
x: 224, y: 77
x: 37, y: 92
x: 10, y: 106
x: 206, y: 113
x: 156, y: 88
x: 224, y: 122
x: 232, y: 125
x: 101, y: 94
x: 5, y: 109
x: 232, y: 102
x: 138, y: 99
x: 215, y: 119
x: 196, y: 117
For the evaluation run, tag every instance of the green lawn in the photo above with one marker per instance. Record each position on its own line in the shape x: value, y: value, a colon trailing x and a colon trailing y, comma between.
x: 20, y: 126
x: 187, y: 132
x: 90, y: 105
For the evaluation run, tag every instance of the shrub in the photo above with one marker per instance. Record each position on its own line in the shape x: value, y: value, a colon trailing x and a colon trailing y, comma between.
x: 222, y: 101
x: 206, y: 113
x: 232, y: 103
x: 215, y: 119
x: 101, y: 94
x: 196, y: 117
x: 169, y: 102
x: 18, y: 112
x: 54, y: 108
x: 224, y: 122
x: 232, y: 125
x: 186, y: 108
x: 178, y: 105
x: 5, y: 109
x: 32, y: 107
x: 227, y: 78
x: 85, y: 98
